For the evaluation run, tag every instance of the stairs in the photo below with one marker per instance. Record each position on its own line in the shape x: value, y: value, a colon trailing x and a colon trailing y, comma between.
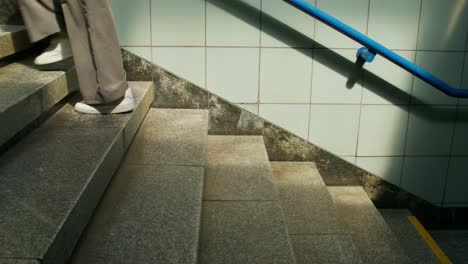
x: 13, y: 39
x: 51, y: 181
x: 241, y: 211
x: 151, y: 211
x: 26, y: 93
x: 316, y: 231
x: 152, y: 186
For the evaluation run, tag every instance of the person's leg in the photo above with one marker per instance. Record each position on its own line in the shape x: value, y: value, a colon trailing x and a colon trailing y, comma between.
x: 42, y: 18
x: 96, y: 50
x: 79, y: 41
x: 105, y: 48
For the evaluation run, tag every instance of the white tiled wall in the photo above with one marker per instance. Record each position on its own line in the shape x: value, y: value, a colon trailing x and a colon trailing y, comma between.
x: 185, y: 61
x: 278, y: 84
x: 278, y: 62
x: 354, y: 13
x: 384, y: 27
x: 445, y: 65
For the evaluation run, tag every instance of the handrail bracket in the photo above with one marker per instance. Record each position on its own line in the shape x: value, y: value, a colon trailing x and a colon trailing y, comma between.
x: 366, y: 55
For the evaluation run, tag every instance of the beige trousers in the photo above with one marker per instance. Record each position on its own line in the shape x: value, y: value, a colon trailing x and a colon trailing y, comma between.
x: 93, y: 40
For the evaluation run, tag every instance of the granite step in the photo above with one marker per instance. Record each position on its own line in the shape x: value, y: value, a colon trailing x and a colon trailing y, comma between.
x: 13, y: 39
x: 151, y: 210
x: 411, y: 241
x: 242, y: 220
x: 316, y: 231
x: 374, y: 240
x: 52, y: 180
x: 27, y: 92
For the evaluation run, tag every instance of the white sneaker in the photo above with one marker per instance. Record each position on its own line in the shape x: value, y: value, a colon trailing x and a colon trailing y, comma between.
x: 126, y: 104
x: 59, y: 49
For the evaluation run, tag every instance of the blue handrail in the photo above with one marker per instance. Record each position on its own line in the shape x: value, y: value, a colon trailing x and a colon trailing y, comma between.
x: 372, y: 48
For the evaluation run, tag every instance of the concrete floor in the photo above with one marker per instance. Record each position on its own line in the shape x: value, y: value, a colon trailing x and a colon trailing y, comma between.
x: 454, y: 243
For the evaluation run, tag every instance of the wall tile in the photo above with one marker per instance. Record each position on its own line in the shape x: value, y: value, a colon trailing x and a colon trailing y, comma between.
x: 285, y: 75
x: 443, y: 25
x: 460, y: 141
x: 294, y: 118
x: 331, y: 71
x: 382, y: 130
x: 388, y: 83
x: 178, y: 22
x: 233, y: 23
x: 285, y: 26
x: 143, y: 52
x: 354, y: 13
x: 425, y: 177
x: 350, y: 159
x: 457, y: 181
x: 252, y: 108
x: 188, y: 63
x: 388, y: 168
x: 233, y: 73
x: 395, y: 23
x: 430, y: 130
x: 335, y: 128
x: 446, y: 66
x: 132, y: 30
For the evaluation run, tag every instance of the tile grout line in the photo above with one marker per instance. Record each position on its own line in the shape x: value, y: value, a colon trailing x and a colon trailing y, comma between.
x: 454, y: 127
x: 351, y: 104
x: 151, y: 31
x: 206, y: 50
x: 405, y: 146
x: 368, y: 16
x: 310, y: 95
x: 311, y: 91
x: 362, y: 89
x: 259, y: 84
x: 278, y: 47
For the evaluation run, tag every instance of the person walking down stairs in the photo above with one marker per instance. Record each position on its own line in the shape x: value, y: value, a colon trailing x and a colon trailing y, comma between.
x: 84, y: 29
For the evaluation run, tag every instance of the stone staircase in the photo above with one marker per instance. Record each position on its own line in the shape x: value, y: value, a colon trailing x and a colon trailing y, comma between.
x: 153, y: 186
x: 13, y: 39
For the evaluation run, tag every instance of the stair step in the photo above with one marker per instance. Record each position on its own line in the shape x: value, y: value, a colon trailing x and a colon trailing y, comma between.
x: 307, y: 205
x: 238, y: 169
x: 26, y: 93
x: 19, y: 261
x: 52, y: 180
x: 171, y: 137
x: 315, y: 229
x: 411, y: 241
x: 13, y: 39
x: 242, y: 218
x: 151, y: 213
x: 374, y: 240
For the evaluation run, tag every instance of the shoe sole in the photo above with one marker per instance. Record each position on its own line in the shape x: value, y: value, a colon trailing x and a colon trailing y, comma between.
x: 106, y: 110
x: 53, y: 60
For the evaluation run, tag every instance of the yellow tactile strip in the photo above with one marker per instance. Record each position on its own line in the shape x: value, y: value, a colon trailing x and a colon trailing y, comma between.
x: 429, y: 240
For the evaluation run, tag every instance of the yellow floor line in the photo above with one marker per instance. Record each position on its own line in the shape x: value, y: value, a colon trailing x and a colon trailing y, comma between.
x: 430, y: 242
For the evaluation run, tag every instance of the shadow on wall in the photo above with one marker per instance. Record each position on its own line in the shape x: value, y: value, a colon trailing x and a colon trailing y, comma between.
x: 329, y: 58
